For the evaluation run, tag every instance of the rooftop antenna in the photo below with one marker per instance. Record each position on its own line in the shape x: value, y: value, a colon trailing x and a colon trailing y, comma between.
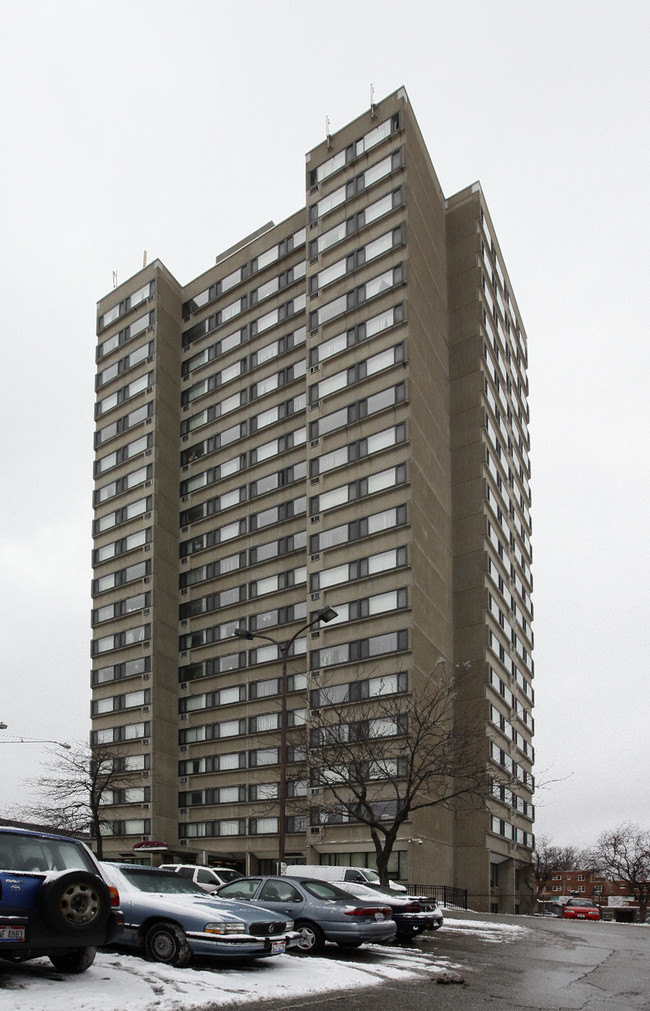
x: 115, y: 279
x: 373, y: 111
x: 144, y: 258
x: 327, y: 132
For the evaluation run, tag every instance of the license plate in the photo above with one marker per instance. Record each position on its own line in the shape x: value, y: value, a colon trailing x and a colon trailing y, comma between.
x: 12, y: 933
x: 581, y: 916
x: 379, y: 916
x: 278, y: 947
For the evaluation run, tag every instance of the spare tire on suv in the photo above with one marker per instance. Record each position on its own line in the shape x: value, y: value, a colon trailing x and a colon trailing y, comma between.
x: 74, y: 902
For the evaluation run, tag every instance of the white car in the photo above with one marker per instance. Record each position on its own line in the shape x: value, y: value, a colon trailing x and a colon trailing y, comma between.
x: 209, y: 878
x: 336, y: 874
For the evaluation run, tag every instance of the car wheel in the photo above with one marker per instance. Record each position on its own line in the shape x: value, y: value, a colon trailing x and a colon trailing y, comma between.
x: 349, y: 944
x: 77, y: 960
x: 312, y: 938
x: 74, y: 902
x: 165, y: 942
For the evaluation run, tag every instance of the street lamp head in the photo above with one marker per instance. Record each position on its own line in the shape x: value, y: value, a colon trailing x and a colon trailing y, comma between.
x: 327, y: 614
x: 243, y: 633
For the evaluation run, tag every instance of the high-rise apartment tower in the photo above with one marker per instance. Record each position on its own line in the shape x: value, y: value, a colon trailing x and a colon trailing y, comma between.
x: 334, y: 415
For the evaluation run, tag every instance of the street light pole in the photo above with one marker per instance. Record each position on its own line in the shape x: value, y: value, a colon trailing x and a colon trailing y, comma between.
x: 36, y: 740
x: 284, y: 647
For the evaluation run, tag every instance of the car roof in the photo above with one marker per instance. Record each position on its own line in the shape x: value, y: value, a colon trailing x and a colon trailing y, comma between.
x: 292, y: 880
x: 34, y: 833
x: 127, y: 866
x: 203, y: 867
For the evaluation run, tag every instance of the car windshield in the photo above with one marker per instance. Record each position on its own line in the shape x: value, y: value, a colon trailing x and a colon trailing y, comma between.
x: 324, y: 890
x: 228, y: 875
x: 38, y: 853
x: 145, y: 880
x: 379, y: 889
x: 243, y: 888
x: 581, y: 902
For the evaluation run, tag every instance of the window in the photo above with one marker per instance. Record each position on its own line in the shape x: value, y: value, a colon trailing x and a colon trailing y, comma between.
x: 262, y: 826
x: 210, y: 829
x: 212, y: 763
x: 208, y: 798
x: 355, y: 691
x: 126, y: 483
x: 278, y: 412
x: 128, y: 575
x: 129, y: 332
x: 220, y: 567
x: 358, y: 450
x: 356, y: 185
x: 355, y: 223
x: 121, y: 607
x: 357, y: 296
x: 372, y: 564
x: 130, y: 636
x: 121, y: 547
x: 350, y: 262
x: 277, y: 315
x: 124, y: 394
x: 364, y: 527
x: 118, y: 671
x: 263, y: 756
x: 138, y: 355
x: 359, y: 649
x: 278, y: 347
x: 130, y: 700
x: 356, y: 334
x: 123, y: 515
x: 212, y: 732
x: 356, y: 373
x: 130, y: 302
x: 212, y: 700
x: 128, y: 732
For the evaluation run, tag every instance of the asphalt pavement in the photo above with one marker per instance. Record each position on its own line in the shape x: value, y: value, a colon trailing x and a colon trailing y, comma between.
x: 555, y: 965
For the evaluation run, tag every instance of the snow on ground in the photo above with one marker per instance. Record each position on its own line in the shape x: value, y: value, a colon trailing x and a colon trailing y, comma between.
x: 116, y: 982
x: 488, y: 931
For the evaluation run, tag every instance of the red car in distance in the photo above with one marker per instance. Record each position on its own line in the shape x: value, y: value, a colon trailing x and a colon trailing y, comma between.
x: 580, y: 909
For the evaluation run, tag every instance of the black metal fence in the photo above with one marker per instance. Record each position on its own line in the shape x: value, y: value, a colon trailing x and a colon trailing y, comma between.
x: 445, y: 895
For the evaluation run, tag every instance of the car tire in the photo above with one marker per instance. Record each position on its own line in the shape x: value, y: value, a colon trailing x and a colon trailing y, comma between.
x: 167, y: 943
x: 74, y: 902
x: 77, y: 960
x: 312, y: 938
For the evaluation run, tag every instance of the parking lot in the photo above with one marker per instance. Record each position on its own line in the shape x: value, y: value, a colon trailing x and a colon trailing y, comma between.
x: 117, y: 981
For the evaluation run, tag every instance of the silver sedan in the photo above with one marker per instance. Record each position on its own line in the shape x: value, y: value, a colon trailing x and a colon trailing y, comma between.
x: 170, y: 919
x: 320, y: 910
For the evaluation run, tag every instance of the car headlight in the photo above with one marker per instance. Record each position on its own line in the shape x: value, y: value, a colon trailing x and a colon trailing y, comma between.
x: 225, y: 927
x: 288, y: 925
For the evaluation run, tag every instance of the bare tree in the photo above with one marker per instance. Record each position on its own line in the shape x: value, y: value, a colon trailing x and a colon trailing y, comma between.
x: 75, y: 787
x: 544, y: 858
x: 548, y: 858
x: 380, y: 758
x: 624, y: 851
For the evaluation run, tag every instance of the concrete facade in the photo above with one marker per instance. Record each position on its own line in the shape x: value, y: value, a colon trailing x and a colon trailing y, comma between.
x: 334, y: 415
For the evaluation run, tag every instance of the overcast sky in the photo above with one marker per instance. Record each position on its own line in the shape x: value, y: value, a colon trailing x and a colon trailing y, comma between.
x: 178, y: 128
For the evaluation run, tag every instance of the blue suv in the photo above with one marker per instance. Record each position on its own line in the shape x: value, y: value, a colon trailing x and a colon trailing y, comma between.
x: 53, y: 900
